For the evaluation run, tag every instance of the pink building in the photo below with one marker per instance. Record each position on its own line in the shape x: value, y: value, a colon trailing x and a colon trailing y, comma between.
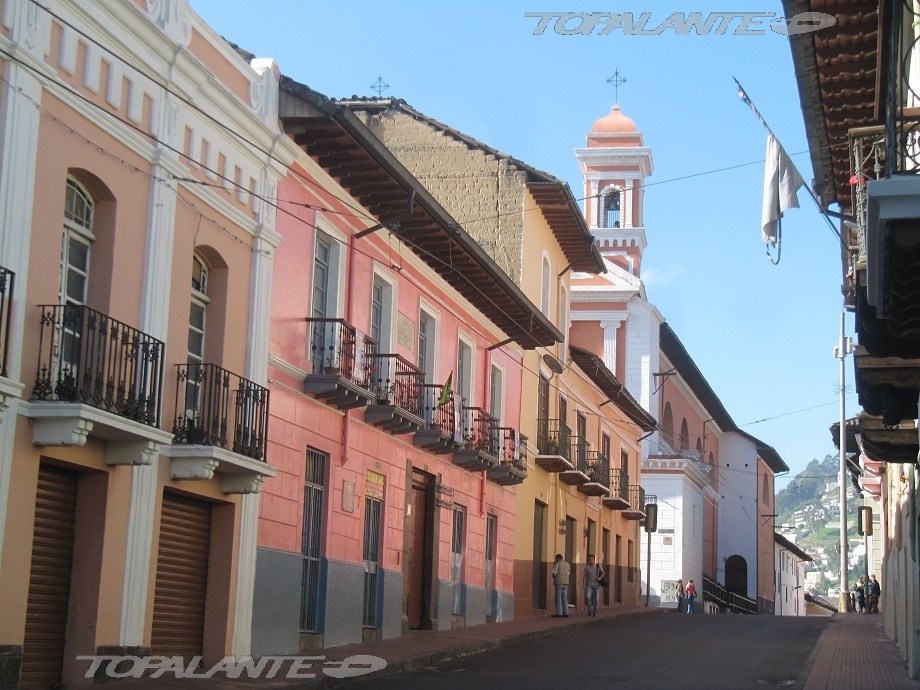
x: 393, y: 508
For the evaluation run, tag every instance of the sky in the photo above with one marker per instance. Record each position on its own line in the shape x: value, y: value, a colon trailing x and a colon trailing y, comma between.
x: 762, y: 334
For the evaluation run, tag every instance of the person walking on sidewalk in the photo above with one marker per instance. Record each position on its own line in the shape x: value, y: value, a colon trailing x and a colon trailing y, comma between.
x: 873, y: 592
x: 859, y: 592
x: 691, y: 595
x: 680, y: 595
x: 593, y: 572
x: 561, y: 571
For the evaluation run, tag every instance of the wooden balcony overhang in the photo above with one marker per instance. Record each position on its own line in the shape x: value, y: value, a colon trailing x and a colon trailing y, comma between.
x: 888, y: 387
x: 506, y: 474
x: 393, y: 418
x: 553, y: 463
x: 615, y: 502
x: 574, y: 477
x: 593, y: 489
x: 344, y: 147
x: 474, y: 460
x: 633, y: 514
x: 897, y: 444
x: 437, y: 441
x: 337, y: 391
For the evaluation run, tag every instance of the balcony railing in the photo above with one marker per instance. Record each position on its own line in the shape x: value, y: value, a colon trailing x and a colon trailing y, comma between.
x: 636, y: 498
x: 598, y: 468
x: 554, y: 438
x: 514, y: 448
x: 88, y: 357
x: 439, y: 410
x: 215, y: 407
x: 481, y: 431
x: 7, y: 280
x: 619, y: 485
x: 394, y: 380
x: 338, y: 348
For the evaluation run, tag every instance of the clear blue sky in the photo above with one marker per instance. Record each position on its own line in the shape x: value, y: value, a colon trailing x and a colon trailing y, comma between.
x: 761, y: 334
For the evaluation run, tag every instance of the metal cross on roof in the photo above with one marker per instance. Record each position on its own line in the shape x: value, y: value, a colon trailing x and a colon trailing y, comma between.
x: 615, y: 81
x: 379, y: 86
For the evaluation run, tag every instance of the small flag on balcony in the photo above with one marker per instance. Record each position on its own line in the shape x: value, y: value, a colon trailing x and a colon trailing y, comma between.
x: 780, y: 183
x: 446, y: 392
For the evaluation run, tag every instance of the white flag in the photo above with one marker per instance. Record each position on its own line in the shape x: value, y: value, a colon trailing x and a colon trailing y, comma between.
x: 780, y: 182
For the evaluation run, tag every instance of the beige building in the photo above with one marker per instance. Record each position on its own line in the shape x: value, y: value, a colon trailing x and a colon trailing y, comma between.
x: 136, y: 251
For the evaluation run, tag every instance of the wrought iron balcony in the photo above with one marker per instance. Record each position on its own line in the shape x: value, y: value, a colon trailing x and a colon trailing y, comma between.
x: 396, y: 393
x: 215, y: 407
x: 578, y: 475
x: 441, y: 432
x: 339, y: 361
x: 87, y: 357
x: 7, y: 281
x: 619, y: 491
x: 482, y: 443
x: 554, y: 445
x: 636, y: 510
x: 597, y: 467
x: 513, y: 462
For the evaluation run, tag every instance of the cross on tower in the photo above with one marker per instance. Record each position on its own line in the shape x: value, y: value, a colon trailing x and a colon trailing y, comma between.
x: 615, y: 81
x: 379, y: 86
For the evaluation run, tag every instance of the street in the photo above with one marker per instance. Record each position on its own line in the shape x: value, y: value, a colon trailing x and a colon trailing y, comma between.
x: 672, y: 651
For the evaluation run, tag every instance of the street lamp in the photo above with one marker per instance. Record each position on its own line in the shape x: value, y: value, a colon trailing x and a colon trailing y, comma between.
x: 844, y: 348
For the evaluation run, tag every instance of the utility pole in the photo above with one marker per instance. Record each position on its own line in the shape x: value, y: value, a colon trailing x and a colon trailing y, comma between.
x: 841, y: 352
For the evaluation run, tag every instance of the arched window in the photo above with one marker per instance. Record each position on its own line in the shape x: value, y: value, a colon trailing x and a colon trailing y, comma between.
x: 667, y: 425
x: 684, y: 435
x: 544, y: 288
x: 699, y: 448
x: 76, y: 244
x: 611, y: 209
x: 766, y: 491
x: 197, y: 322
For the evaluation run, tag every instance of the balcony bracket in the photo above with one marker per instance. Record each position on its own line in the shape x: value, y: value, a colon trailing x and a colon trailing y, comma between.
x: 70, y: 424
x: 239, y: 474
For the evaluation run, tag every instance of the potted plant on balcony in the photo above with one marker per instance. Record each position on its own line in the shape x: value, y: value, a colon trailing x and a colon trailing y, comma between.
x: 333, y: 362
x: 386, y: 393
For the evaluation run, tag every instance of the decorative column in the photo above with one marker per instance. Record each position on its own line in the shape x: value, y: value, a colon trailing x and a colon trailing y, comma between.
x: 29, y: 28
x: 628, y: 205
x: 593, y: 218
x: 610, y: 326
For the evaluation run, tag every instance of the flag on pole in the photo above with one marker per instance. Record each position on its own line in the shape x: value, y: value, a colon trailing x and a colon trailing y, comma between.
x: 781, y: 181
x: 446, y: 392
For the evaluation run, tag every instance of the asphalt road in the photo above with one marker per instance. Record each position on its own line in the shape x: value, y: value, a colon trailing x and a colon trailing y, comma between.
x: 706, y: 652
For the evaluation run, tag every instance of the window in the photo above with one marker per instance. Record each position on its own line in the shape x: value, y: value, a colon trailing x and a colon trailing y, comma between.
x: 497, y: 393
x: 196, y: 333
x: 491, y: 536
x: 326, y: 336
x: 456, y: 556
x: 766, y: 491
x: 684, y: 435
x: 465, y: 371
x: 544, y: 288
x: 373, y: 510
x: 311, y: 542
x: 382, y: 314
x: 630, y: 556
x: 427, y: 345
x: 605, y: 445
x: 74, y: 277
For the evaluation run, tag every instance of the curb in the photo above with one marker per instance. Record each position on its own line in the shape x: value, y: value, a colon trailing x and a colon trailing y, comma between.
x: 436, y: 657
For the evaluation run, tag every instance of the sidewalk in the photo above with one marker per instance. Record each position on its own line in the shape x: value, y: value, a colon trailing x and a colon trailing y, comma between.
x: 853, y: 653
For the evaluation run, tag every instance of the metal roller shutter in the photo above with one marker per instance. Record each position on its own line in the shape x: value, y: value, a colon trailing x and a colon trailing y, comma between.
x: 49, y: 581
x: 182, y: 577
